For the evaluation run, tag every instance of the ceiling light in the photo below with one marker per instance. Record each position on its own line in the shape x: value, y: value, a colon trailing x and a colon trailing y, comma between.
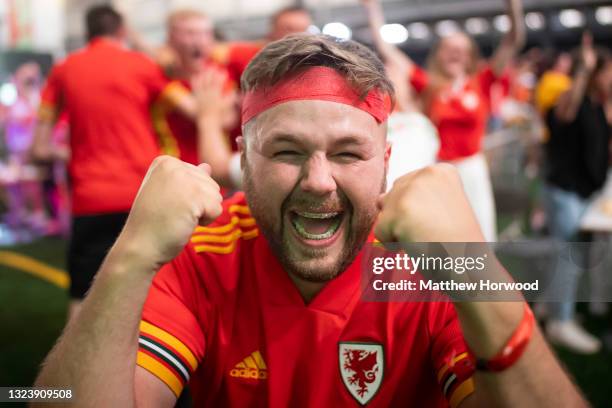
x: 394, y: 33
x: 337, y: 30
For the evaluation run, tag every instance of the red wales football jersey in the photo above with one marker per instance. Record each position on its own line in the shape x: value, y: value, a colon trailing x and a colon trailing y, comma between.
x: 461, y: 114
x: 105, y: 91
x: 226, y: 318
x: 178, y: 134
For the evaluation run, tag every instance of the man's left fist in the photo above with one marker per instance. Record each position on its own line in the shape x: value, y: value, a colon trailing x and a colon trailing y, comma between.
x: 427, y: 205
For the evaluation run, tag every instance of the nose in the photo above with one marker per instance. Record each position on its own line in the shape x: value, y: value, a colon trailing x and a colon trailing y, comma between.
x: 317, y: 176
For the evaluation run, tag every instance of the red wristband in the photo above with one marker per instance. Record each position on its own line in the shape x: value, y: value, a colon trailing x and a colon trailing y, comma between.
x: 514, y: 348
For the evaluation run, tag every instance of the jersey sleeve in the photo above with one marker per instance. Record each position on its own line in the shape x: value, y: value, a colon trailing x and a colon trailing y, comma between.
x: 454, y: 368
x: 51, y: 97
x: 418, y: 79
x: 172, y: 94
x: 239, y: 56
x: 154, y: 78
x: 171, y: 342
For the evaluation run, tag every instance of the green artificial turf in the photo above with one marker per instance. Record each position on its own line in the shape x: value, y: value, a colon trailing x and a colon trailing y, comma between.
x: 32, y: 315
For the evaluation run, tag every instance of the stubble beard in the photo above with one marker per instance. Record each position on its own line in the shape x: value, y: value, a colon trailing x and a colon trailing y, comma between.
x: 356, y: 234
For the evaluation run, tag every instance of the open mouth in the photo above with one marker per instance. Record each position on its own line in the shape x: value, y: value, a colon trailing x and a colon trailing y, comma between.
x: 316, y: 225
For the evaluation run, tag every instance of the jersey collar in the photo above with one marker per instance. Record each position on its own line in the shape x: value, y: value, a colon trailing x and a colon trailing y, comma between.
x: 276, y: 288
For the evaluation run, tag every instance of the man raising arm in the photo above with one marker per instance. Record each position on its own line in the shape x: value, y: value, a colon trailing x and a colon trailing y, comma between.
x: 96, y: 356
x: 536, y: 379
x: 270, y: 293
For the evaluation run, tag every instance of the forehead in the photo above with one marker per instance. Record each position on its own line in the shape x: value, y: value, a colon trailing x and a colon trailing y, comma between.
x: 293, y: 16
x: 27, y: 69
x: 190, y: 21
x: 315, y: 121
x: 456, y: 40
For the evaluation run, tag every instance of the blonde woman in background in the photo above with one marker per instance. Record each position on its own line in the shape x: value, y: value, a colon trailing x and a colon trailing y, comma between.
x: 455, y: 92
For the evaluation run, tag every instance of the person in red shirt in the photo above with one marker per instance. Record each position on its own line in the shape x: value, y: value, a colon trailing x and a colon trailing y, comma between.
x: 456, y: 94
x: 190, y: 40
x: 26, y: 215
x: 261, y: 304
x: 215, y: 107
x: 106, y: 92
x: 237, y: 55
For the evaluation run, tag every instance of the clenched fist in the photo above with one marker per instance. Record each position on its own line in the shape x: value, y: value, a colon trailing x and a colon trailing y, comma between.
x: 173, y: 199
x: 428, y: 205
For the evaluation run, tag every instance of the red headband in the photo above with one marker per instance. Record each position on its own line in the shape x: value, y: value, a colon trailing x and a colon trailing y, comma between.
x: 319, y: 83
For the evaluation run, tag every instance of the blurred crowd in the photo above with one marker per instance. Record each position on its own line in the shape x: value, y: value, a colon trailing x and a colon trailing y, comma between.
x: 68, y: 143
x: 34, y: 197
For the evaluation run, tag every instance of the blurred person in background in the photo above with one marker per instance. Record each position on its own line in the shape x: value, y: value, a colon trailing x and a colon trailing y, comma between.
x: 56, y: 184
x: 516, y: 107
x: 190, y: 39
x: 26, y: 211
x: 106, y: 91
x: 414, y: 139
x: 554, y: 81
x: 217, y: 110
x: 577, y: 157
x: 456, y: 93
x: 237, y: 55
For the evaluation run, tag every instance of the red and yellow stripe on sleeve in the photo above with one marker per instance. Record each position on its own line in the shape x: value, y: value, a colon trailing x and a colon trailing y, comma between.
x: 456, y: 380
x: 222, y: 239
x: 173, y: 94
x: 165, y: 356
x: 47, y: 112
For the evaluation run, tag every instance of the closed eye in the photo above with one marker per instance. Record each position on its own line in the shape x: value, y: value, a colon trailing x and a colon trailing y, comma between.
x: 286, y: 153
x: 288, y: 156
x: 347, y: 156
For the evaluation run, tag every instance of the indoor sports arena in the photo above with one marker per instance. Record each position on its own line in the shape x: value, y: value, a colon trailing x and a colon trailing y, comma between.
x: 305, y: 203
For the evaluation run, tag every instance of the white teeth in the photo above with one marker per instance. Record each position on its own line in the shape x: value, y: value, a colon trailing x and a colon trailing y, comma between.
x: 318, y: 216
x: 333, y: 227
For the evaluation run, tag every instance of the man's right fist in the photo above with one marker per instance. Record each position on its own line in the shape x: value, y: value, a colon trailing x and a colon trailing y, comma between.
x: 173, y: 199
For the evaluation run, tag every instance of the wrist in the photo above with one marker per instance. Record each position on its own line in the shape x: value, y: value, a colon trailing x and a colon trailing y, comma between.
x: 128, y: 255
x: 206, y: 119
x: 488, y: 325
x: 513, y: 348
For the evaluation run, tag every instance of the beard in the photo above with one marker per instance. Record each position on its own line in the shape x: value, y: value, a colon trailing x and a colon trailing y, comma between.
x: 307, y: 265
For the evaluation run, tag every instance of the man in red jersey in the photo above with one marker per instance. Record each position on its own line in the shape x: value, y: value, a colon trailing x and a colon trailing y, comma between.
x: 261, y: 305
x: 106, y: 92
x: 190, y: 39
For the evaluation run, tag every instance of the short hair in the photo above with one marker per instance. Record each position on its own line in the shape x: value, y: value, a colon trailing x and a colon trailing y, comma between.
x: 183, y: 14
x: 286, y: 10
x: 102, y: 20
x: 296, y: 53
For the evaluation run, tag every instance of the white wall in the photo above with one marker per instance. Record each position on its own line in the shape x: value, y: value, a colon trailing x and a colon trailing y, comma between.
x: 48, y: 23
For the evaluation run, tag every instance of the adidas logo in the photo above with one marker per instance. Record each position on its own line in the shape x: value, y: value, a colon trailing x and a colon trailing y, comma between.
x: 252, y: 367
